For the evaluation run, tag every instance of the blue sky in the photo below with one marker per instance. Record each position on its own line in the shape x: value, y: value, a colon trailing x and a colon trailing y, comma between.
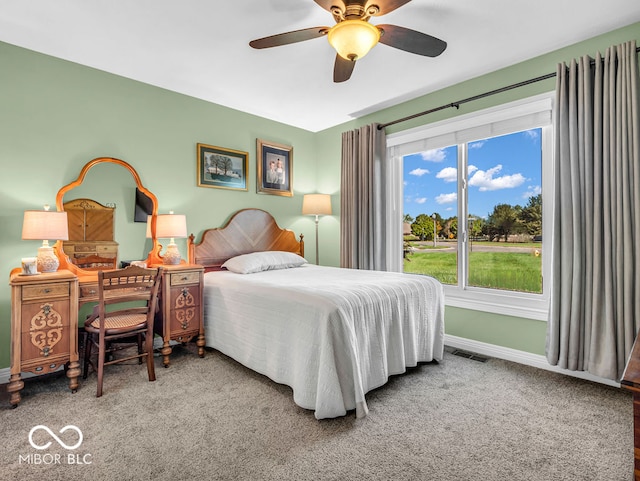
x: 502, y: 170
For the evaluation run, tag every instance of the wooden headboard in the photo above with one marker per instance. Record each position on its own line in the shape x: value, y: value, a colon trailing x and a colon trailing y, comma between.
x: 248, y: 230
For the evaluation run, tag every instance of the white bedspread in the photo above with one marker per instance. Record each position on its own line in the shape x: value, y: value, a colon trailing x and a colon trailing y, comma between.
x: 330, y: 334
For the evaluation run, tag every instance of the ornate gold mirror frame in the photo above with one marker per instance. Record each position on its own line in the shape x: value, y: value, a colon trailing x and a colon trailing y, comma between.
x: 65, y: 262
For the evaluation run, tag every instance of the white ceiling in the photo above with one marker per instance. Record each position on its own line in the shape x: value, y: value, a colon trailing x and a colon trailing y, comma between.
x: 201, y: 47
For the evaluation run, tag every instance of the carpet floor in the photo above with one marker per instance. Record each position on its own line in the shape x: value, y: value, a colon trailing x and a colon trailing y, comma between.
x: 213, y: 419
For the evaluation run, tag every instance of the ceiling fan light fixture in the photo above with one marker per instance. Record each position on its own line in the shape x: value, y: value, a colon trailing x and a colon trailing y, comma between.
x: 353, y: 39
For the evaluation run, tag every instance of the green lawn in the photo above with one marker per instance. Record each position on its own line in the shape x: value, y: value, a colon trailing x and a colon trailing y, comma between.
x: 500, y: 270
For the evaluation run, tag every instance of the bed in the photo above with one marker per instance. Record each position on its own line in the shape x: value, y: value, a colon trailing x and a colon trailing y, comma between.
x: 330, y: 334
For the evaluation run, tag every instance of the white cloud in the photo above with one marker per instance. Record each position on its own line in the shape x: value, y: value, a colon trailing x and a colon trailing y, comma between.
x: 421, y: 200
x: 447, y: 198
x: 448, y: 174
x: 434, y: 155
x: 532, y: 191
x: 485, y: 180
x: 477, y: 145
x: 471, y: 169
x: 532, y: 134
x: 419, y: 172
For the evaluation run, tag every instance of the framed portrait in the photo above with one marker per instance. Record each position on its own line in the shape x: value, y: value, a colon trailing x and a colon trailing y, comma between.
x: 222, y: 168
x: 275, y: 168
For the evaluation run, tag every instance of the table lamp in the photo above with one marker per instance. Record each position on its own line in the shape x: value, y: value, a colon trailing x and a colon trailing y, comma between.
x: 170, y: 226
x: 316, y: 204
x: 44, y: 225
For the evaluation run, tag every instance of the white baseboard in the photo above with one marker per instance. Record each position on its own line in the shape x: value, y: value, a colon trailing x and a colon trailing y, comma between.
x: 490, y: 350
x: 521, y: 357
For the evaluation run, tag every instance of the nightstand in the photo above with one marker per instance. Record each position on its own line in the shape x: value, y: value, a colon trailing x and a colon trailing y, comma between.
x: 181, y: 312
x: 44, y: 327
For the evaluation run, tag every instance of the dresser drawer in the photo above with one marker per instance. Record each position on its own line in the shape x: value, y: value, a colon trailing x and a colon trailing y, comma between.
x: 89, y: 291
x: 183, y: 278
x: 184, y: 296
x: 45, y: 291
x: 39, y: 316
x: 184, y: 323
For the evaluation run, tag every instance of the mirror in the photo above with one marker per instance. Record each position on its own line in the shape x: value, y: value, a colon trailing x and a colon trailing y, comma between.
x: 82, y: 190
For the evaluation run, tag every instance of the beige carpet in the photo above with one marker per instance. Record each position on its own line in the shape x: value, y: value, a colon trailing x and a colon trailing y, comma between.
x: 212, y: 419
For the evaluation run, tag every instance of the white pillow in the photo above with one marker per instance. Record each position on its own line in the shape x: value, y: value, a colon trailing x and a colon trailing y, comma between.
x: 263, y: 261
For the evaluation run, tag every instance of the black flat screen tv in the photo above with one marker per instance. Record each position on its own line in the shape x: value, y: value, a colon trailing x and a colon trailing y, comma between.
x: 144, y: 206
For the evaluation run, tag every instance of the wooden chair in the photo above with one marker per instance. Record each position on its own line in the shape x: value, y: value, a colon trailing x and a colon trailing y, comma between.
x: 114, y: 321
x: 95, y: 263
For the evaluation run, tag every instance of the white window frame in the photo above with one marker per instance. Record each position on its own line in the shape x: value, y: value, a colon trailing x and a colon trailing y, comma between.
x: 524, y: 114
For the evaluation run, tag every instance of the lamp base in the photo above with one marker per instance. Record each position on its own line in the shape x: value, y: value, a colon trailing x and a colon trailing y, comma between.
x: 172, y: 255
x: 47, y: 260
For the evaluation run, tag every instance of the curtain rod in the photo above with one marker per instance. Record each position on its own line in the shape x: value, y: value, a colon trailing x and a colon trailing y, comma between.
x: 475, y: 97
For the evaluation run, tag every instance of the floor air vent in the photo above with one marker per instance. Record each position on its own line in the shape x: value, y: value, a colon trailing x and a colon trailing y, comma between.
x: 469, y: 355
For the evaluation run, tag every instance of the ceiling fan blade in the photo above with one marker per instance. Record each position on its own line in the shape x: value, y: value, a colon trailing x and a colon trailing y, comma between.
x: 411, y: 41
x: 342, y: 69
x: 289, y: 37
x: 385, y: 6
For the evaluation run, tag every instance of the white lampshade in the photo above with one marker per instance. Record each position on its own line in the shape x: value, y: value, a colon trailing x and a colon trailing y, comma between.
x: 353, y: 39
x: 45, y: 225
x: 316, y: 204
x: 171, y: 226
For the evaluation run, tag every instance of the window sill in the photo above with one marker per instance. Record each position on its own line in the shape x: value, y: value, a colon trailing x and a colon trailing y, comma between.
x: 527, y: 306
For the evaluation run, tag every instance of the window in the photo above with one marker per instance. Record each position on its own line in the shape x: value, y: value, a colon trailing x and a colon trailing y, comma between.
x: 490, y: 168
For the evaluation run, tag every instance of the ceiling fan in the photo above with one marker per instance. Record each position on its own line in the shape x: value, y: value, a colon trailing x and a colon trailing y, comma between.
x: 353, y: 36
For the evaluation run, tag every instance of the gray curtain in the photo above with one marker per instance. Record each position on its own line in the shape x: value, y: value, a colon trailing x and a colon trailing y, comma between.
x: 595, y: 297
x: 362, y: 199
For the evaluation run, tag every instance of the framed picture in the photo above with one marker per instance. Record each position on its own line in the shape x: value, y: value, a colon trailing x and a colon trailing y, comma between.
x: 275, y: 168
x: 222, y: 168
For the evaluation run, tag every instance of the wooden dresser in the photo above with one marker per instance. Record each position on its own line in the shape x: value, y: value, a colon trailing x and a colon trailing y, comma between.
x: 181, y: 313
x: 631, y: 381
x: 91, y: 229
x: 44, y: 318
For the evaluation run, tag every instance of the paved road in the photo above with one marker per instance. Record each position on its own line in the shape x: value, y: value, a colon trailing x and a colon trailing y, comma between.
x: 450, y: 246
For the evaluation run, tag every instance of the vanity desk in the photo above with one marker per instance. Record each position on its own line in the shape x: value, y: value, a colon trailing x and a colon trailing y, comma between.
x: 180, y: 309
x: 180, y: 315
x: 44, y: 307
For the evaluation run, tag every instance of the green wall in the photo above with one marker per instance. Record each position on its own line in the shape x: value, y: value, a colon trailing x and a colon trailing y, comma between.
x: 55, y: 116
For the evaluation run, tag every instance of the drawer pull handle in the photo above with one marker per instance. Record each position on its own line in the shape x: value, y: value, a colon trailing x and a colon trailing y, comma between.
x: 46, y: 291
x: 184, y: 278
x: 92, y: 291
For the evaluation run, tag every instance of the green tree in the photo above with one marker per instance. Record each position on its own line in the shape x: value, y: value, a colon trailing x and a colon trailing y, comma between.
x: 531, y: 216
x: 407, y: 218
x: 476, y: 226
x: 503, y: 221
x: 422, y: 227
